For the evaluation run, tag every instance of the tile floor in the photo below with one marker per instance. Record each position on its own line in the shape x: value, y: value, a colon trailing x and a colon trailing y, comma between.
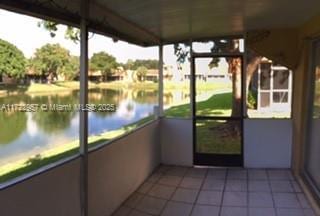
x: 182, y: 191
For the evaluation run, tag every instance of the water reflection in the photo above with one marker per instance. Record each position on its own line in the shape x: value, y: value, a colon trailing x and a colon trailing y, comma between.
x: 53, y: 122
x: 22, y: 134
x: 12, y: 126
x: 25, y: 134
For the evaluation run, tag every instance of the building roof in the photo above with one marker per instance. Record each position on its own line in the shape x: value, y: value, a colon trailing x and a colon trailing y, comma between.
x: 94, y: 73
x: 166, y: 21
x: 153, y: 72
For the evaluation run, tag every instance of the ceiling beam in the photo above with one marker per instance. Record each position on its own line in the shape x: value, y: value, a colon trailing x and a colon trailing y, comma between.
x: 73, y: 19
x: 121, y: 21
x: 37, y: 10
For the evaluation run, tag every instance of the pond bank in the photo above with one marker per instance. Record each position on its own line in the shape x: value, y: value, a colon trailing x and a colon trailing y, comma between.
x: 37, y: 88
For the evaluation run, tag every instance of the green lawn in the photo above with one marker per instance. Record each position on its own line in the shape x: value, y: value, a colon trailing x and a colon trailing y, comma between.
x: 219, y: 137
x: 36, y: 88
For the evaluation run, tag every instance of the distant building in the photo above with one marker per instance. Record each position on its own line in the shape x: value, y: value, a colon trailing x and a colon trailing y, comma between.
x: 206, y: 74
x: 98, y: 76
x: 95, y: 76
x: 117, y: 74
x: 32, y: 77
x: 152, y: 75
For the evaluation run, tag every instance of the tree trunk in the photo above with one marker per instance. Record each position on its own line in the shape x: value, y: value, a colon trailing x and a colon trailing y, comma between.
x: 252, y: 66
x: 235, y: 71
x: 50, y: 77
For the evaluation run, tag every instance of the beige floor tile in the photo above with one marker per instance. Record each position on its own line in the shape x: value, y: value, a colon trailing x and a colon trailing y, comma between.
x: 210, y: 198
x: 235, y: 199
x: 234, y: 211
x: 185, y: 195
x: 205, y: 210
x: 170, y: 180
x: 177, y: 209
x: 162, y: 191
x: 193, y: 183
x: 151, y: 205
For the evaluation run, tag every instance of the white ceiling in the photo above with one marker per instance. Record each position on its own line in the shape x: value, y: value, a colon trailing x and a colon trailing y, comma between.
x: 181, y: 19
x: 149, y: 22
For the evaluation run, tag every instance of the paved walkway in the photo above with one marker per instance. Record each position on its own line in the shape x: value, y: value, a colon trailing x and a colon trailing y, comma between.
x: 182, y: 191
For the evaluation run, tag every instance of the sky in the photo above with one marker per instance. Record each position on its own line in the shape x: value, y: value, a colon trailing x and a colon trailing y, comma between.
x: 23, y: 32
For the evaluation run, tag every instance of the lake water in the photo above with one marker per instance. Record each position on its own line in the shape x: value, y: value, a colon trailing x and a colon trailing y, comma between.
x: 24, y: 133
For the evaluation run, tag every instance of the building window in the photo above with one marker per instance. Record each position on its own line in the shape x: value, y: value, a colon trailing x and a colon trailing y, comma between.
x: 270, y: 91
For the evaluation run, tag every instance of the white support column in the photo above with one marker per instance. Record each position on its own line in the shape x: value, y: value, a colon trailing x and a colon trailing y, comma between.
x: 259, y: 88
x: 192, y: 79
x: 290, y: 90
x: 83, y: 102
x: 160, y: 81
x: 244, y: 79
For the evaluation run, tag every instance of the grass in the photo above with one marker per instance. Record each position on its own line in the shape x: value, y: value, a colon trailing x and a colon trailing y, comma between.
x: 216, y: 105
x: 34, y: 88
x: 18, y: 168
x: 70, y: 86
x: 218, y: 137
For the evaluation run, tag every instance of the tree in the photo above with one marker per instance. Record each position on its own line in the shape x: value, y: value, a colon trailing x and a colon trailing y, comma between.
x: 71, y: 69
x: 12, y: 60
x: 141, y: 73
x: 103, y: 62
x: 53, y: 121
x: 148, y: 63
x: 218, y: 46
x: 71, y: 33
x: 129, y: 65
x: 51, y: 60
x: 234, y: 66
x: 135, y: 64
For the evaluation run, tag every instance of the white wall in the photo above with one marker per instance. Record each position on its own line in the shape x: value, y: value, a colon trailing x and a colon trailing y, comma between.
x: 117, y: 170
x: 267, y: 143
x: 52, y: 193
x: 176, y: 141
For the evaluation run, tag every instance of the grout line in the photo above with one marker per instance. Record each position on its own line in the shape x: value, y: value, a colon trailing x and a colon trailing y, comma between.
x: 146, y: 194
x: 271, y: 191
x: 176, y: 188
x: 227, y: 170
x: 223, y: 190
x: 292, y: 179
x: 201, y: 186
x: 140, y: 212
x: 248, y: 209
